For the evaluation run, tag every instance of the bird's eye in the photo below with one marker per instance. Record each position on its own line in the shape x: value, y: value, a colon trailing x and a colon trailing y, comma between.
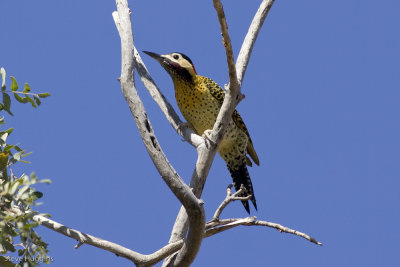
x: 176, y: 56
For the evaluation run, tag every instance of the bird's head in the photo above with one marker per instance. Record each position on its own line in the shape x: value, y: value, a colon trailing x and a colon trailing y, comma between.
x: 178, y: 65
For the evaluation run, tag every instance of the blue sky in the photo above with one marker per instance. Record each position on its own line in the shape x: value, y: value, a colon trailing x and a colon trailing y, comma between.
x: 322, y: 107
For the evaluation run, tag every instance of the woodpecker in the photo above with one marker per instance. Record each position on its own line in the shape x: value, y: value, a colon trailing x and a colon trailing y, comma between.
x: 199, y: 100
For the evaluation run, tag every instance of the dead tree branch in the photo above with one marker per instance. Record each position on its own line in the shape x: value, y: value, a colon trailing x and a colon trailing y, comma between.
x: 170, y: 176
x: 215, y: 225
x: 193, y: 206
x: 228, y: 199
x: 83, y: 238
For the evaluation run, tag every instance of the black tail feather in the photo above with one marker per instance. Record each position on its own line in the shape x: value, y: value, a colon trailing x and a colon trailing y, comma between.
x: 240, y: 177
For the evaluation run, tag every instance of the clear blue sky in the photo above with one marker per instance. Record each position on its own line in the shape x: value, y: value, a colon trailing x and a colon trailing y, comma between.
x: 322, y: 106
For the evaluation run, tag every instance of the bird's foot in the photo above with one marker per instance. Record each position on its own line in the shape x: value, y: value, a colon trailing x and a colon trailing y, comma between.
x: 207, y: 136
x: 183, y: 125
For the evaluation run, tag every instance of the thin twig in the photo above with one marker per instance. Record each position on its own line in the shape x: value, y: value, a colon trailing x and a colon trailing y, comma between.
x: 234, y: 86
x: 78, y: 245
x: 230, y: 198
x: 214, y: 227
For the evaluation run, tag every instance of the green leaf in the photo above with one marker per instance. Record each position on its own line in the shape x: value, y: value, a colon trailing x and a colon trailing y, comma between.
x: 27, y: 88
x: 44, y: 95
x: 45, y: 181
x: 8, y: 148
x: 37, y: 100
x: 14, y: 84
x: 4, y: 136
x: 9, y: 131
x: 6, y: 186
x: 17, y: 156
x: 30, y: 100
x: 25, y: 178
x: 36, y: 195
x: 14, y: 187
x: 20, y: 225
x: 20, y: 99
x: 34, y: 178
x: 5, y: 262
x: 7, y: 245
x: 7, y: 102
x: 3, y: 78
x: 22, y: 191
x: 3, y: 159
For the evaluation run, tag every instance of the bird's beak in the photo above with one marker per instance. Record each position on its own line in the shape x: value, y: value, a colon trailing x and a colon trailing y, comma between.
x: 157, y: 57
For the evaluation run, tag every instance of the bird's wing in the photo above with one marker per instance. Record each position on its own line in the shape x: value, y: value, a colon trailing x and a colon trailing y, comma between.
x: 219, y: 94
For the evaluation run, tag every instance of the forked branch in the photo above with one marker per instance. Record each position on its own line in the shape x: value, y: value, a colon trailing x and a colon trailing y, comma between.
x: 232, y: 97
x: 228, y: 199
x: 193, y: 206
x: 215, y: 225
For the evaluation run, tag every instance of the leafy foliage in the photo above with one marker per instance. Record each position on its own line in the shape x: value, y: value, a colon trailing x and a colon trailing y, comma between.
x: 17, y: 196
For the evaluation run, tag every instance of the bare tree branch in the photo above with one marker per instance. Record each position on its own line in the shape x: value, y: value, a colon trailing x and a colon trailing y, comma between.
x: 228, y: 199
x: 234, y: 87
x: 215, y: 227
x: 232, y: 95
x: 250, y: 39
x: 186, y: 256
x: 167, y: 172
x: 187, y: 133
x: 193, y: 206
x: 82, y: 238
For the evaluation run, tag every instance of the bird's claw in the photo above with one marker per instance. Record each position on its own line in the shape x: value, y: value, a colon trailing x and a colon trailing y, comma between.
x: 183, y: 125
x: 207, y: 136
